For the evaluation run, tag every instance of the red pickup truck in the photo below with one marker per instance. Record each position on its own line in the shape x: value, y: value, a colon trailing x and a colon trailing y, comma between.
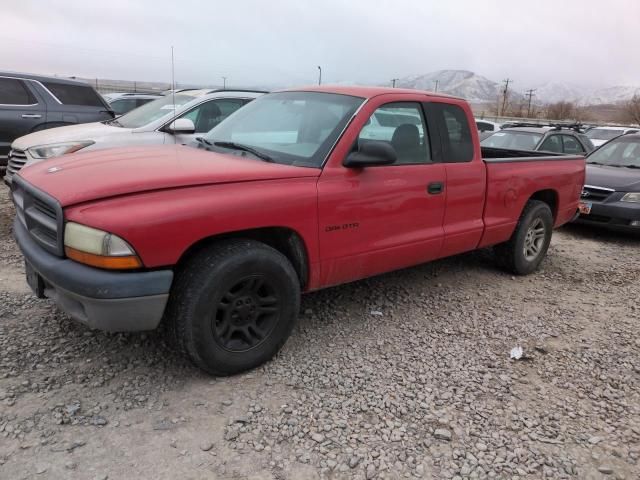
x: 297, y: 191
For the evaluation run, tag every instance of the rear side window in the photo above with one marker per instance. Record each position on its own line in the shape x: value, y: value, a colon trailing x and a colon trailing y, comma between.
x: 454, y: 130
x: 571, y: 145
x: 552, y: 144
x: 74, y: 94
x: 14, y: 92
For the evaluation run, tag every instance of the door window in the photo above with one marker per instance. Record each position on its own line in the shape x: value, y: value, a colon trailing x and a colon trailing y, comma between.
x: 571, y: 145
x: 209, y: 114
x: 402, y: 125
x: 14, y: 92
x: 552, y: 144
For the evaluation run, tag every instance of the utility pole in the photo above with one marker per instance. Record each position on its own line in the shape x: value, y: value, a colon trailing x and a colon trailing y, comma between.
x: 505, y: 93
x: 224, y: 83
x: 437, y: 82
x: 530, y: 94
x: 319, y: 75
x: 393, y: 82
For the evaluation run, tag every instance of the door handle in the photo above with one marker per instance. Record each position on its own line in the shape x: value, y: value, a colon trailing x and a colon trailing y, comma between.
x: 31, y: 115
x: 434, y: 188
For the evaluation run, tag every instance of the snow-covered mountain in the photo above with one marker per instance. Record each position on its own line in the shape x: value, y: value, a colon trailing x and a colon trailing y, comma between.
x: 552, y: 92
x: 478, y: 89
x: 616, y: 94
x: 461, y: 83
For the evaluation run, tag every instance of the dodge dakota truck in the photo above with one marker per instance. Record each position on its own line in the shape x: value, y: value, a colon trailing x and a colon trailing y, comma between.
x: 298, y: 191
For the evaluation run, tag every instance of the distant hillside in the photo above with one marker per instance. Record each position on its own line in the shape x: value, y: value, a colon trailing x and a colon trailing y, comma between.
x: 461, y: 83
x: 478, y: 89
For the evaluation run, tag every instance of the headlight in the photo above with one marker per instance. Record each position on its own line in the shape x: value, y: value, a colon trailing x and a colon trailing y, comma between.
x: 97, y: 248
x: 56, y: 149
x: 631, y: 197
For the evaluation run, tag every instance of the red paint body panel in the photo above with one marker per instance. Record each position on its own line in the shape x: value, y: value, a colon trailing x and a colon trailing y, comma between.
x: 354, y: 222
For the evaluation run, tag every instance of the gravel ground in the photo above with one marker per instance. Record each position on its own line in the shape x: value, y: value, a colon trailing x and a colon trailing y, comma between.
x: 406, y: 375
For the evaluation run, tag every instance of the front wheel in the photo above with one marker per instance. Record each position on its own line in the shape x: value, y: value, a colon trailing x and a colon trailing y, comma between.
x: 528, y: 245
x: 233, y: 305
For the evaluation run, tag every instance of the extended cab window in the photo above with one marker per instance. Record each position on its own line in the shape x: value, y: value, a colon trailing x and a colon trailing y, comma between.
x: 14, y: 92
x: 552, y: 144
x: 402, y: 126
x: 74, y: 94
x: 455, y: 133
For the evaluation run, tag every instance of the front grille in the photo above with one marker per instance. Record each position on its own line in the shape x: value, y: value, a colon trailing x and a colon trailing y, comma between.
x: 595, y: 194
x: 40, y: 214
x: 17, y: 159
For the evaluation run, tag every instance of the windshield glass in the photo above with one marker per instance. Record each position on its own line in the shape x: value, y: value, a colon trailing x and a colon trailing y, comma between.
x: 623, y: 152
x: 152, y: 111
x: 512, y: 139
x: 602, y: 134
x: 294, y: 128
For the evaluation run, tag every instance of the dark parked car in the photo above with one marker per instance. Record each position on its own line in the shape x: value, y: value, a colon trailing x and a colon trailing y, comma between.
x: 29, y: 103
x: 611, y: 195
x: 556, y: 139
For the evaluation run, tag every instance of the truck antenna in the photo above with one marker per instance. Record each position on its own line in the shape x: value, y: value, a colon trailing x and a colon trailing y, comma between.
x: 173, y: 91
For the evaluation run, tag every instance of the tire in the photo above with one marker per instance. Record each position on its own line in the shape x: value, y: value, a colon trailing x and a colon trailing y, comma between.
x: 528, y: 245
x: 233, y: 305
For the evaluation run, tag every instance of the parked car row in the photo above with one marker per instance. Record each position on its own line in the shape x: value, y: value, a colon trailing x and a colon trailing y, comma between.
x: 177, y: 118
x: 30, y: 103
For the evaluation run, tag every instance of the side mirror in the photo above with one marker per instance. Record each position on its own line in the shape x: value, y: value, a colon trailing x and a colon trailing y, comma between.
x: 370, y: 154
x: 181, y: 125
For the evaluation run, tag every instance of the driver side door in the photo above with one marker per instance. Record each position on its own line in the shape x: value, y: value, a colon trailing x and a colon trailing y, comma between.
x: 381, y: 218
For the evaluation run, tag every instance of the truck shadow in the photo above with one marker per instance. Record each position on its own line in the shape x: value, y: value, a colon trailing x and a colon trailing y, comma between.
x: 590, y: 232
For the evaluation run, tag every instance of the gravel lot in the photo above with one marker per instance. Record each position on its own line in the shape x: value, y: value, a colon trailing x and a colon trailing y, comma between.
x: 406, y: 375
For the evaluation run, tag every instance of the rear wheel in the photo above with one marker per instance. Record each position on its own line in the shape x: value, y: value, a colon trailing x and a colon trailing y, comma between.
x: 233, y: 305
x: 527, y: 247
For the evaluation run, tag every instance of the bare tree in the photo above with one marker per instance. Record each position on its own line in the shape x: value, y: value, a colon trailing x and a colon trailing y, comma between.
x: 632, y: 109
x: 561, y: 110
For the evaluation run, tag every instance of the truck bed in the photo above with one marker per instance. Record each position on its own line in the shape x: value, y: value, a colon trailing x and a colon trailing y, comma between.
x: 514, y: 176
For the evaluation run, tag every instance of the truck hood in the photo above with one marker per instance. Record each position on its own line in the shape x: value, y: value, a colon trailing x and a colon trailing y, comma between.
x: 68, y: 133
x: 97, y: 174
x: 619, y: 178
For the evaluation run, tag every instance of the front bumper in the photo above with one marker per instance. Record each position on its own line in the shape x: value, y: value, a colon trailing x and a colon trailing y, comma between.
x: 614, y: 216
x: 111, y: 301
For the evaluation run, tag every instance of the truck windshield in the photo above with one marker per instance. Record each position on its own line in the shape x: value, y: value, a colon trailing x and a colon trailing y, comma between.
x: 603, y: 134
x: 515, y: 140
x: 152, y: 111
x: 623, y: 152
x: 294, y: 128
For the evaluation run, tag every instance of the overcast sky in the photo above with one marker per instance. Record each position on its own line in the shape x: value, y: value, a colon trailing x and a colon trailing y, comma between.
x: 281, y: 42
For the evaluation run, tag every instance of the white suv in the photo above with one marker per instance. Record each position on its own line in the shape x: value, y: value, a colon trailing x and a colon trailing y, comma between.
x: 175, y: 118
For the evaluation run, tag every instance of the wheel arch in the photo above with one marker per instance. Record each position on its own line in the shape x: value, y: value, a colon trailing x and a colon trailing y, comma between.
x: 283, y: 239
x: 548, y: 196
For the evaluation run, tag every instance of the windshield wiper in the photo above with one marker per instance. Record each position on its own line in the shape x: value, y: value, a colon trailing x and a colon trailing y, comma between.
x: 204, y: 141
x: 113, y: 121
x: 244, y: 148
x: 595, y: 163
x: 624, y: 166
